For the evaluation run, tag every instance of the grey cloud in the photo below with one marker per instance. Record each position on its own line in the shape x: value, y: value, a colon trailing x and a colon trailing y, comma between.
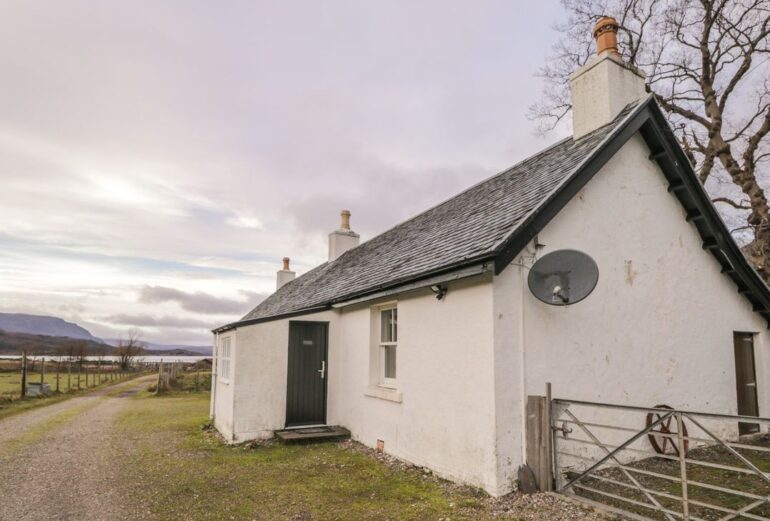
x: 145, y: 320
x: 198, y: 302
x: 254, y: 297
x: 280, y: 112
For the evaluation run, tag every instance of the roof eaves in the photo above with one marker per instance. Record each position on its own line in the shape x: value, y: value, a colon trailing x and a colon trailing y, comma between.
x: 248, y: 322
x: 687, y: 188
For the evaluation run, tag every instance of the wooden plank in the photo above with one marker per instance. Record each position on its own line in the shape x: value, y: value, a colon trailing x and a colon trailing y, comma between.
x: 537, y: 441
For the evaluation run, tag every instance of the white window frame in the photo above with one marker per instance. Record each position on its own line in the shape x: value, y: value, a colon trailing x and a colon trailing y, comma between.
x: 225, y: 356
x: 382, y: 346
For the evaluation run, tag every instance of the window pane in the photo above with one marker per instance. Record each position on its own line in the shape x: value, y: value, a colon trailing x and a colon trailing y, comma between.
x: 385, y: 325
x: 390, y: 361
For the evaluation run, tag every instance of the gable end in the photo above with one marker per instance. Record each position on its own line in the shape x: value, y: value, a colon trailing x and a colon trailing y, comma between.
x: 683, y: 183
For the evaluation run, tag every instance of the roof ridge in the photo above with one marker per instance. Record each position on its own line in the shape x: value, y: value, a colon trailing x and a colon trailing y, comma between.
x: 458, y: 194
x: 618, y: 126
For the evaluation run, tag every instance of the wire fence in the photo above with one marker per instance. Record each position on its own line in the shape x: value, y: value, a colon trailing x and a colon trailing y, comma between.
x: 37, y: 376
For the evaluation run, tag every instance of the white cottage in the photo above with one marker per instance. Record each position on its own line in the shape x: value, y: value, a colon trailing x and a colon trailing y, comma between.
x: 425, y: 340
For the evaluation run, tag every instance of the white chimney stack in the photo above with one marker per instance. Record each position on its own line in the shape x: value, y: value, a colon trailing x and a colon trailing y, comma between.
x: 603, y: 87
x: 285, y: 275
x: 343, y: 239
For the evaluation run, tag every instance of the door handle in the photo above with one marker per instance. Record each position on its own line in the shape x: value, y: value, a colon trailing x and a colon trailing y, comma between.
x: 322, y: 370
x: 752, y: 384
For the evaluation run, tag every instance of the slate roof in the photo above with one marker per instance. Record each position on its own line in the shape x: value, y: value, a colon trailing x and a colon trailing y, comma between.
x: 466, y: 228
x: 495, y: 218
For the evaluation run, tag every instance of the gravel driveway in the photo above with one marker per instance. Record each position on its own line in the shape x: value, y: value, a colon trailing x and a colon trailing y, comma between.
x: 59, y: 462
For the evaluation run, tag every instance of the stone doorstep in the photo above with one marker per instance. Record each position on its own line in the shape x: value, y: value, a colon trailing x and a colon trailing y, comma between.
x: 323, y: 433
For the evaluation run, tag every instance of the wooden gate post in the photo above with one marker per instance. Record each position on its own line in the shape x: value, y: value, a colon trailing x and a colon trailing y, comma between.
x: 538, y: 433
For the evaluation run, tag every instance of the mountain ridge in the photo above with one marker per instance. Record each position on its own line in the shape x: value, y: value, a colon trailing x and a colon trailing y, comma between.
x: 48, y: 334
x: 44, y: 325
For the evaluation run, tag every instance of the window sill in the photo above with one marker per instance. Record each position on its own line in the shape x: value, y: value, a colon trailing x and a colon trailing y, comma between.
x: 383, y: 393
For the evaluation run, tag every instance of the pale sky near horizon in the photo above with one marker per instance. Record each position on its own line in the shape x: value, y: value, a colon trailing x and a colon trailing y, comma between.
x: 159, y: 158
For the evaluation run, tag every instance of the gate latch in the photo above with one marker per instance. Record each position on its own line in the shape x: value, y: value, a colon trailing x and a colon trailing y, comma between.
x: 565, y: 431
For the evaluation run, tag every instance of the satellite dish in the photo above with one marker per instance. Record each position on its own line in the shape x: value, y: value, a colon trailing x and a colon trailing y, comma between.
x: 563, y: 277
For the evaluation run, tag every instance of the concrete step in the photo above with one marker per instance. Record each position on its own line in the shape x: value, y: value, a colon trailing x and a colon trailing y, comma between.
x: 313, y: 434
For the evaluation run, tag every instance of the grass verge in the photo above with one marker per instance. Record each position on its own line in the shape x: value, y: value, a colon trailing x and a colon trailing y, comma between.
x: 10, y: 408
x: 176, y: 470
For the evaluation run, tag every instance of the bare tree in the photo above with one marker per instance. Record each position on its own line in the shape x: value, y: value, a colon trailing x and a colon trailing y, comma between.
x: 129, y: 348
x: 79, y: 352
x: 706, y: 63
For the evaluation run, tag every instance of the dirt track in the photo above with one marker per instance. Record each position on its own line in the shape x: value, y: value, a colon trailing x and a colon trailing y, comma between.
x: 61, y: 462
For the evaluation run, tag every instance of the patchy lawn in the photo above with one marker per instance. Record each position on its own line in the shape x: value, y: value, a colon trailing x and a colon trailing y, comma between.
x: 188, y: 474
x: 176, y: 470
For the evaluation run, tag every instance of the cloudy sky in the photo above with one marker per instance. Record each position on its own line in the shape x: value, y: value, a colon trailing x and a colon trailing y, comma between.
x: 159, y: 158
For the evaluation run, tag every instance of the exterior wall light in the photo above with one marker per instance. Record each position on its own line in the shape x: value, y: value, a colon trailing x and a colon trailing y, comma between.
x: 439, y: 290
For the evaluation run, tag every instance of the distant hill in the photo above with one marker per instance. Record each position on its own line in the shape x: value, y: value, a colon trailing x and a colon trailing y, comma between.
x: 15, y: 343
x: 43, y: 325
x: 169, y: 348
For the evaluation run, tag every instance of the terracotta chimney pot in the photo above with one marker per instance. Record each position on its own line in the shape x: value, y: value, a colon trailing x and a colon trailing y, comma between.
x: 345, y: 224
x: 284, y: 276
x: 606, y: 35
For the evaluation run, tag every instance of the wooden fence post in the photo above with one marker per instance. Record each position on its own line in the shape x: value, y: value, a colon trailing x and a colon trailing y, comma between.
x: 159, y: 385
x: 42, y: 375
x: 58, y: 367
x: 24, y: 374
x: 69, y: 375
x: 80, y: 370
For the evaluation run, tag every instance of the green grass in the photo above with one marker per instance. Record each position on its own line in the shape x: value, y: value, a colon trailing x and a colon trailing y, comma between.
x: 178, y: 471
x: 10, y: 382
x: 10, y: 406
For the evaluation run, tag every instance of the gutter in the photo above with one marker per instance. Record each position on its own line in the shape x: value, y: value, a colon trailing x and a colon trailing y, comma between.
x: 471, y: 271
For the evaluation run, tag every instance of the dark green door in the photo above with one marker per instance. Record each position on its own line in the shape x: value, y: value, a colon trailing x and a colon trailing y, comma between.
x: 306, y: 389
x: 746, y: 380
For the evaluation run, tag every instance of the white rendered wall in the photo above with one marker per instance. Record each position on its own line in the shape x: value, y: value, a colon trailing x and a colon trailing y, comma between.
x: 445, y: 419
x: 659, y: 326
x: 257, y: 387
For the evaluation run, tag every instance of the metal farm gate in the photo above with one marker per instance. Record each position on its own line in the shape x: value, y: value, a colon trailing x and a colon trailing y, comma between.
x: 651, y: 463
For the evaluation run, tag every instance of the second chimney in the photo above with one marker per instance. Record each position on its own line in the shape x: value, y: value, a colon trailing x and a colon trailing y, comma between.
x: 284, y: 276
x: 343, y: 239
x: 603, y: 87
